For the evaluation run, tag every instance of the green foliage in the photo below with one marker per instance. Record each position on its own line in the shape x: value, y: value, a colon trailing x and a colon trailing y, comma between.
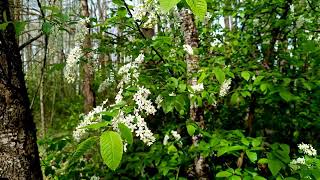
x: 111, y: 149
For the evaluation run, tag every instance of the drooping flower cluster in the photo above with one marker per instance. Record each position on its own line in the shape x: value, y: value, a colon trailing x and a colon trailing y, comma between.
x: 175, y: 135
x: 106, y: 83
x: 225, y: 87
x: 142, y: 102
x: 135, y: 122
x: 148, y: 9
x: 92, y: 117
x: 72, y: 67
x: 307, y: 149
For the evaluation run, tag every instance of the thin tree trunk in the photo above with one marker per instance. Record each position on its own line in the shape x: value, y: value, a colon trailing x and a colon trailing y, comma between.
x: 191, y: 38
x: 19, y: 158
x: 43, y: 123
x: 89, y: 96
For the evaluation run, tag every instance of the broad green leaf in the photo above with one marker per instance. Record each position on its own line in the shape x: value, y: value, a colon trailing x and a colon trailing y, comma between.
x: 245, y: 141
x: 274, y: 165
x: 166, y: 5
x: 125, y: 133
x: 263, y: 161
x: 191, y: 129
x: 234, y: 98
x: 224, y: 174
x: 252, y: 156
x: 96, y: 125
x: 256, y: 142
x: 234, y: 177
x: 111, y: 149
x: 245, y: 75
x: 220, y: 75
x: 198, y: 7
x: 224, y: 150
x: 258, y: 80
x: 259, y: 178
x: 286, y: 95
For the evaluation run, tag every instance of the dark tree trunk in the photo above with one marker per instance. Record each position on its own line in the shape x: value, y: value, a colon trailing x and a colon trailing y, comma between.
x: 19, y: 158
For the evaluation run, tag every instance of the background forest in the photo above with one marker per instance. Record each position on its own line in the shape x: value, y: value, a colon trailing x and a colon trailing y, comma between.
x: 173, y: 89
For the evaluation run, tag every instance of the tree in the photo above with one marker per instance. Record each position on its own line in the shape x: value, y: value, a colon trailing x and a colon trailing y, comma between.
x: 19, y: 157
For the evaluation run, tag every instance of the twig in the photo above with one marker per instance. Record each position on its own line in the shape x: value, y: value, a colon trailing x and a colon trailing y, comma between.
x: 138, y: 27
x: 30, y: 41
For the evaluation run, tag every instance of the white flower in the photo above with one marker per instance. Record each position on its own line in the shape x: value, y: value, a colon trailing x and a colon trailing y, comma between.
x: 188, y: 49
x: 92, y: 117
x: 165, y: 139
x: 307, y: 149
x: 72, y: 67
x: 295, y: 164
x: 225, y: 87
x: 198, y: 87
x: 172, y: 94
x: 158, y: 101
x: 176, y: 135
x: 143, y: 103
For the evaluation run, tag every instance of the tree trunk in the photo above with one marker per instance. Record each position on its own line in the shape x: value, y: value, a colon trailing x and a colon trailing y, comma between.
x: 89, y: 96
x: 19, y: 158
x: 191, y: 38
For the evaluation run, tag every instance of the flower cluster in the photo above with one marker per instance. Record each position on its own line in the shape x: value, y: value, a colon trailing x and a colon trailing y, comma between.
x: 197, y: 87
x: 143, y: 103
x: 72, y: 66
x: 307, y: 149
x: 92, y: 117
x: 175, y: 135
x: 135, y: 122
x: 225, y: 87
x: 147, y: 9
x: 295, y: 164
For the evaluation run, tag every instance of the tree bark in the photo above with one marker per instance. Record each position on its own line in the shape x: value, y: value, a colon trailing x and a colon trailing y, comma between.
x: 191, y: 38
x: 89, y: 96
x: 19, y: 158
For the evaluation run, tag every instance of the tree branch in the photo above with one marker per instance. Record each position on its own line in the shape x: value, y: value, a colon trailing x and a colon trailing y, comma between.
x: 30, y: 41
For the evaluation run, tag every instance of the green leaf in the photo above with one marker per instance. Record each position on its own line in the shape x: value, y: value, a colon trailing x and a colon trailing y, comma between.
x: 252, y: 156
x: 198, y: 7
x: 256, y: 142
x: 259, y: 178
x: 220, y: 75
x: 111, y: 149
x: 96, y: 125
x: 224, y: 150
x: 191, y: 129
x: 19, y: 27
x: 46, y: 27
x: 125, y: 133
x: 82, y: 148
x: 3, y: 26
x: 275, y: 166
x: 286, y: 95
x: 166, y: 5
x: 263, y: 161
x: 245, y: 75
x: 224, y: 174
x: 234, y: 177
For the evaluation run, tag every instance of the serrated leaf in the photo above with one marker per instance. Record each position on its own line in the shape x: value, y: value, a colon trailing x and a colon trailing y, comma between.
x: 252, y: 156
x: 191, y: 129
x: 125, y: 133
x: 198, y: 7
x: 111, y: 149
x: 245, y: 75
x: 166, y: 5
x: 224, y: 174
x: 220, y: 75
